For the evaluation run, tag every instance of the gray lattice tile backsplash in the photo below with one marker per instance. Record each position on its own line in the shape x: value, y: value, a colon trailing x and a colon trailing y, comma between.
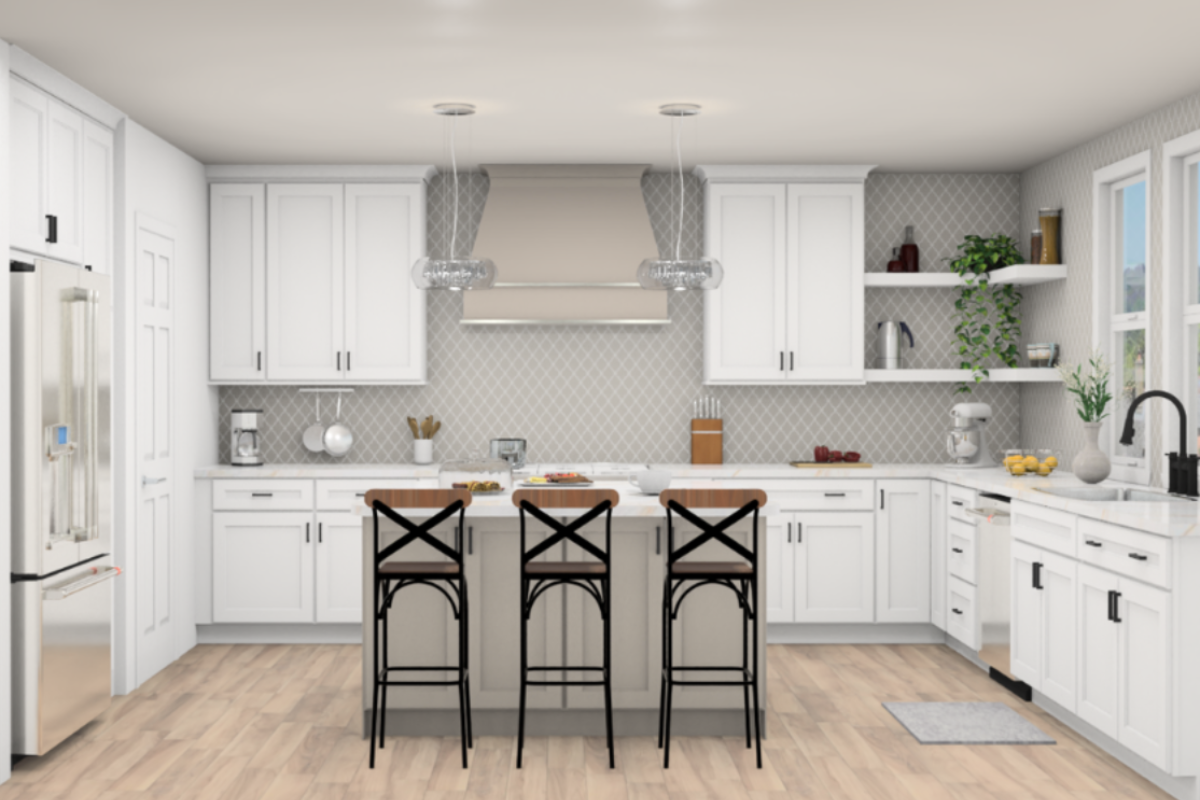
x: 624, y: 393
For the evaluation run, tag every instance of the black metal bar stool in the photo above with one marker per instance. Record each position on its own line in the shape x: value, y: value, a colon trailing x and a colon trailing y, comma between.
x: 684, y: 577
x: 592, y: 576
x: 444, y: 576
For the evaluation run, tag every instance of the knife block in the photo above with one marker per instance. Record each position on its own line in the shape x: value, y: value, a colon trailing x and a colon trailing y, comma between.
x: 708, y: 441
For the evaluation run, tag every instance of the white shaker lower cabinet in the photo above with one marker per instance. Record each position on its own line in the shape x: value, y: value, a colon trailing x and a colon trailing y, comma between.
x: 1043, y: 634
x: 339, y: 557
x: 779, y: 569
x: 902, y: 552
x: 262, y: 567
x: 937, y: 548
x: 835, y: 566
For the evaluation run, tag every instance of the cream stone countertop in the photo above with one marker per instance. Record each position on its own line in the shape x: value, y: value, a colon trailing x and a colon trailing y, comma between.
x: 1173, y: 519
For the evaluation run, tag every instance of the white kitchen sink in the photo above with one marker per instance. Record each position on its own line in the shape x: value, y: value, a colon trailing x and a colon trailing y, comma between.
x: 1106, y: 494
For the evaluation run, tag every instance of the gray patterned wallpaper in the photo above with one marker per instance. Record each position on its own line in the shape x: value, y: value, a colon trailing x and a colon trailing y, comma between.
x: 624, y: 393
x: 1062, y: 311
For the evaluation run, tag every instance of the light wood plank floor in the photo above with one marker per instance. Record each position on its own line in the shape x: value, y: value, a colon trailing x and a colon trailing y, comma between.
x: 283, y: 722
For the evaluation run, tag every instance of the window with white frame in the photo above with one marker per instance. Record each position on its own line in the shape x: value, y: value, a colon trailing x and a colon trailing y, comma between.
x: 1190, y: 300
x: 1181, y: 286
x: 1121, y: 316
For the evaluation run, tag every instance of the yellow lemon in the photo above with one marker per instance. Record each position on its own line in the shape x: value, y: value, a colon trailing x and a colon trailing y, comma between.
x: 1044, y: 469
x: 1017, y: 469
x: 1031, y: 462
x: 1013, y: 459
x: 1051, y: 462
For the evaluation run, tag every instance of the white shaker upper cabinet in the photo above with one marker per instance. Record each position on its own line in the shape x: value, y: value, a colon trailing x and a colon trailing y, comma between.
x: 385, y: 312
x: 237, y: 281
x: 745, y: 323
x: 29, y: 120
x: 64, y: 197
x: 825, y: 282
x: 98, y: 197
x: 305, y: 282
x: 790, y: 308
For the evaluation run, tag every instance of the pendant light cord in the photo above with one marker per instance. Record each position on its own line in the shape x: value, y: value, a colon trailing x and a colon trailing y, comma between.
x: 677, y: 124
x: 454, y: 170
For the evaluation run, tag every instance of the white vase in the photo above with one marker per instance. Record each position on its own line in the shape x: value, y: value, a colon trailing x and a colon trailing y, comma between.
x: 1091, y: 465
x: 422, y: 451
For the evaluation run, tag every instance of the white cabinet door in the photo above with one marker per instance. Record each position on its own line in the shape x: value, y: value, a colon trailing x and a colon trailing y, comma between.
x: 64, y: 197
x: 385, y: 312
x: 1059, y: 621
x: 305, y: 291
x: 1025, y: 636
x: 339, y: 557
x: 98, y: 197
x: 825, y: 291
x: 902, y: 560
x: 779, y: 569
x: 937, y: 548
x: 835, y: 567
x: 1144, y: 670
x: 263, y: 567
x: 745, y: 326
x: 237, y: 282
x: 1099, y: 650
x: 29, y: 123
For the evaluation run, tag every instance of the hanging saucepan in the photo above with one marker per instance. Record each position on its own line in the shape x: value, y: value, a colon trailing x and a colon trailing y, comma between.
x: 338, y: 436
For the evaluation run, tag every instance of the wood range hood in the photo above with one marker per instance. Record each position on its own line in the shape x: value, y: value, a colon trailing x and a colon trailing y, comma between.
x: 567, y: 241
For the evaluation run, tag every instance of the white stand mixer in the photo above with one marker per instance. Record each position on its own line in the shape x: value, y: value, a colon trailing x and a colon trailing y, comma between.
x: 966, y: 442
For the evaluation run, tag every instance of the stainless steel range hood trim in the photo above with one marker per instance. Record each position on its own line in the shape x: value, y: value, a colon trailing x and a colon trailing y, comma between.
x: 544, y: 322
x: 570, y: 285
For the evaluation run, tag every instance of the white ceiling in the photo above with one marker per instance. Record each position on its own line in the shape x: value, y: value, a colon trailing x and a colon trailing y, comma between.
x: 922, y: 85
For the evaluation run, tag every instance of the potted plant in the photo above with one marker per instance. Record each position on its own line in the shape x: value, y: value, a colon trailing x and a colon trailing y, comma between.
x: 1092, y: 396
x: 988, y: 325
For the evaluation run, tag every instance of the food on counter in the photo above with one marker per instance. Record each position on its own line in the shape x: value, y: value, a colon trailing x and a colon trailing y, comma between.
x: 1016, y: 469
x: 821, y: 454
x: 835, y: 456
x: 1051, y: 462
x: 851, y: 457
x: 538, y: 479
x: 567, y: 477
x: 475, y: 487
x: 1026, y: 462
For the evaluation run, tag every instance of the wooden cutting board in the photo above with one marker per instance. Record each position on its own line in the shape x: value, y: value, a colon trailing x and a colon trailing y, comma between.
x: 830, y: 465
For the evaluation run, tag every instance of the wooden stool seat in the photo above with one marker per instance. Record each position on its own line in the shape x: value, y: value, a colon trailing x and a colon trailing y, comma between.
x: 696, y: 569
x: 414, y: 568
x: 565, y: 569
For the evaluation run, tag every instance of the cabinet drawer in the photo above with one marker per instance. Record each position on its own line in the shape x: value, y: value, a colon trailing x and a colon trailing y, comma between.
x: 256, y: 495
x: 825, y: 495
x: 962, y: 619
x: 958, y: 500
x: 962, y: 550
x: 1044, y: 527
x: 1136, y: 554
x: 341, y: 495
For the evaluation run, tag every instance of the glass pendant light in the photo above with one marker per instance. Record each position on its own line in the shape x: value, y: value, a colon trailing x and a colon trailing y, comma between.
x: 680, y: 274
x: 453, y: 273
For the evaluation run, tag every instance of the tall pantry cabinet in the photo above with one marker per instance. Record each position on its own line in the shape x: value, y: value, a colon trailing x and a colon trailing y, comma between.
x: 310, y: 281
x: 790, y: 308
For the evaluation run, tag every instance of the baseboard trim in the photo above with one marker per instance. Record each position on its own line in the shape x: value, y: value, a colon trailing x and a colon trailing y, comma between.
x: 280, y: 633
x: 566, y: 722
x: 854, y: 633
x: 1179, y: 788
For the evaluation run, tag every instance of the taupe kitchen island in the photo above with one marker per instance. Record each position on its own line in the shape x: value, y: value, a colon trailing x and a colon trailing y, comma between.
x: 565, y: 628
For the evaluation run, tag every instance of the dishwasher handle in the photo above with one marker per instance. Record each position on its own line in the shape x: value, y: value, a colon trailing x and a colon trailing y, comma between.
x: 75, y: 587
x: 994, y: 516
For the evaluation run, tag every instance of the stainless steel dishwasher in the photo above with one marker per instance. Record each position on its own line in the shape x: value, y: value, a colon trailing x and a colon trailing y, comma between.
x: 993, y: 546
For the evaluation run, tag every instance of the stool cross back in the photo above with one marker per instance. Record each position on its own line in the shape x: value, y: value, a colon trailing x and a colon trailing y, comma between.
x: 592, y: 576
x: 446, y: 576
x: 739, y: 576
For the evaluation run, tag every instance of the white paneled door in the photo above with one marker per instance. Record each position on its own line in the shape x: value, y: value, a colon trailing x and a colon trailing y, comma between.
x: 155, y: 536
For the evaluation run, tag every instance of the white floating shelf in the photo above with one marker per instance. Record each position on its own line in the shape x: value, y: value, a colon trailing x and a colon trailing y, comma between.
x: 1020, y: 375
x: 1019, y: 274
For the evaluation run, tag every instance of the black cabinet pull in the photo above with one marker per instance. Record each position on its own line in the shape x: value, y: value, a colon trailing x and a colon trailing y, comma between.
x: 320, y: 532
x: 347, y: 361
x: 791, y: 360
x: 799, y: 532
x: 955, y: 549
x: 1138, y: 557
x: 956, y: 610
x: 657, y: 541
x: 470, y: 540
x: 360, y: 494
x: 881, y: 500
x: 51, y: 229
x: 1037, y: 575
x: 789, y: 533
x: 262, y: 494
x: 339, y: 360
x: 1113, y: 597
x: 260, y: 360
x: 87, y: 267
x: 835, y: 494
x: 307, y: 532
x: 1093, y: 543
x: 781, y: 361
x: 958, y: 503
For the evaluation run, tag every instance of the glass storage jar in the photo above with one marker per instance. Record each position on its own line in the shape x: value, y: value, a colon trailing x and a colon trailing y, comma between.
x: 481, y: 475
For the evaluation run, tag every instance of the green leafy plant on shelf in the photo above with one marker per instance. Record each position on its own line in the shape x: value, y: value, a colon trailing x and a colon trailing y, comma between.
x: 1092, y: 395
x: 988, y: 326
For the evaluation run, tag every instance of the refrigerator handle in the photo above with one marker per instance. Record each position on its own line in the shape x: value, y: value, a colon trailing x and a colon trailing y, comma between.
x: 75, y: 587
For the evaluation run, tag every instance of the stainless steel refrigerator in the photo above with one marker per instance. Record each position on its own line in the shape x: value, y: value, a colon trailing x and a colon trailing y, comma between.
x: 62, y: 581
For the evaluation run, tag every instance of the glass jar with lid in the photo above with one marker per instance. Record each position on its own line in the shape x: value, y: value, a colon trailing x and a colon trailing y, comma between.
x: 481, y: 475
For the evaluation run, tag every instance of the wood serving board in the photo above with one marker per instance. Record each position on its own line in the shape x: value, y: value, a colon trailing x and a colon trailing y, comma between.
x: 831, y: 465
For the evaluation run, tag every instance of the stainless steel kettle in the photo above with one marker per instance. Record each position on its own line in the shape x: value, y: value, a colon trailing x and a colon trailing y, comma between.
x: 889, y: 344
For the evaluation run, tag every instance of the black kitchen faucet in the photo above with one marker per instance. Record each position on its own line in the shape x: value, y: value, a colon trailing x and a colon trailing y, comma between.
x: 1182, y: 467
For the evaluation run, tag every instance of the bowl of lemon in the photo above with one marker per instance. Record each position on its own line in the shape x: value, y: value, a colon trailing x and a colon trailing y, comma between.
x: 1030, y: 462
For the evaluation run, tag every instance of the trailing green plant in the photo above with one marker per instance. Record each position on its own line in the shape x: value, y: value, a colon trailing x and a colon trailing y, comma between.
x: 988, y: 326
x: 1092, y: 395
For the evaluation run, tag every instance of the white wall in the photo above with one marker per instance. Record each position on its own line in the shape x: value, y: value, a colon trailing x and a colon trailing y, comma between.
x: 157, y: 179
x: 5, y: 441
